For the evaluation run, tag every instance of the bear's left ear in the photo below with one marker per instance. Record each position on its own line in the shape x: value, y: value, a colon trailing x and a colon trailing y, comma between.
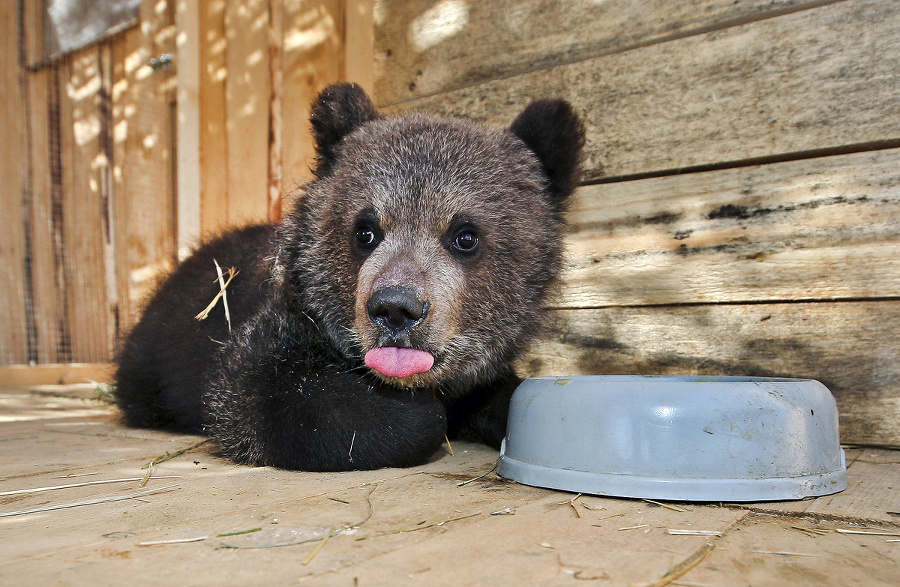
x: 338, y: 111
x: 554, y: 132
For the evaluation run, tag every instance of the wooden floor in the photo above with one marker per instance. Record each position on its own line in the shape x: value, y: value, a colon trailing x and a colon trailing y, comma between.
x: 430, y: 525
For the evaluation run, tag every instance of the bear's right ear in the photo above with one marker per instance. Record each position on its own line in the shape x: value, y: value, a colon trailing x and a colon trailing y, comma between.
x: 552, y: 130
x: 338, y: 111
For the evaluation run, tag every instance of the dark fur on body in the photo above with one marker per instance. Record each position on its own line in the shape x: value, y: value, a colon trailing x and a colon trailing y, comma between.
x: 288, y: 387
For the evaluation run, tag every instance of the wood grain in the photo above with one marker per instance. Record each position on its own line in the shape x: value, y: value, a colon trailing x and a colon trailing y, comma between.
x: 312, y: 58
x: 46, y: 309
x: 247, y: 93
x: 822, y: 228
x: 13, y: 199
x: 812, y: 80
x: 851, y: 347
x: 427, y: 47
x: 145, y: 198
x: 213, y: 136
x: 83, y: 208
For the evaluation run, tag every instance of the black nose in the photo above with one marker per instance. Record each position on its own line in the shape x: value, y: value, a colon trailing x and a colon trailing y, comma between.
x: 396, y: 309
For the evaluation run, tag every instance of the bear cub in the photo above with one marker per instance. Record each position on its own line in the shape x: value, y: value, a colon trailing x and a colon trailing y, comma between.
x: 383, y: 312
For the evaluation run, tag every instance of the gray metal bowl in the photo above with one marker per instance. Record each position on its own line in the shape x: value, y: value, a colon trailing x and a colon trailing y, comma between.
x: 675, y: 438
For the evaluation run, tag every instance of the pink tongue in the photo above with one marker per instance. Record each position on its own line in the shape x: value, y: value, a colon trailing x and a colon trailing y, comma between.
x: 393, y: 361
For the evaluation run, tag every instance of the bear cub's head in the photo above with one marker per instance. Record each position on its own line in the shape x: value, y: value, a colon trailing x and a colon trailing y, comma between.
x: 426, y: 247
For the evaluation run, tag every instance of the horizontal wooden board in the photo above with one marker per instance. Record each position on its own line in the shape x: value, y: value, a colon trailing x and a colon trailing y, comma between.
x: 426, y: 47
x: 12, y: 376
x: 814, y: 229
x: 812, y: 80
x: 851, y: 347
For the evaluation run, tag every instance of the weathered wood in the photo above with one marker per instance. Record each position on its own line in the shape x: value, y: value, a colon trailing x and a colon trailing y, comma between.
x: 851, y: 347
x: 427, y: 47
x: 46, y: 310
x: 312, y: 57
x: 145, y: 196
x: 80, y: 128
x: 187, y: 122
x: 812, y: 80
x: 13, y: 376
x: 416, y: 525
x: 13, y: 183
x: 359, y: 44
x: 248, y: 93
x: 814, y: 229
x: 213, y: 136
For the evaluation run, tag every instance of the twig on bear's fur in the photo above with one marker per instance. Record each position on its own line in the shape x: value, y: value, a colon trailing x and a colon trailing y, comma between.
x: 222, y: 285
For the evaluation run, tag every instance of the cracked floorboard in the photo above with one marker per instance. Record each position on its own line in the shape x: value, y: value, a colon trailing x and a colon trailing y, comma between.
x: 423, y: 525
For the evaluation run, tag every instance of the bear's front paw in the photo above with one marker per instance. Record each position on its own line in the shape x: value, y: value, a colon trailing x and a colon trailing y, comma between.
x: 332, y: 422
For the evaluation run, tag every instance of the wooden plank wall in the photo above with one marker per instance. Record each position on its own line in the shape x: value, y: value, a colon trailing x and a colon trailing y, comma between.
x: 741, y: 207
x: 89, y: 150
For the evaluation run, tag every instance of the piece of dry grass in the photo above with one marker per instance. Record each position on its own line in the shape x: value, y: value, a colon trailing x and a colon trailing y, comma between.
x: 87, y: 502
x: 238, y: 533
x: 677, y: 532
x: 681, y: 568
x: 812, y: 531
x: 866, y: 532
x: 423, y: 526
x: 494, y: 468
x: 316, y: 550
x: 84, y: 484
x: 329, y: 534
x: 786, y: 553
x: 221, y: 294
x: 574, y: 508
x: 168, y: 455
x: 666, y: 505
x: 173, y: 541
x: 449, y: 446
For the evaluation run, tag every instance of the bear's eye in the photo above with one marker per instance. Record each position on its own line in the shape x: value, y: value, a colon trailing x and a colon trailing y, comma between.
x: 465, y: 241
x: 366, y: 232
x: 366, y: 237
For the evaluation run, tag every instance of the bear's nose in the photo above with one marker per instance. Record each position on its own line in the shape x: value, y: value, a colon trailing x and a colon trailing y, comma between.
x: 396, y: 309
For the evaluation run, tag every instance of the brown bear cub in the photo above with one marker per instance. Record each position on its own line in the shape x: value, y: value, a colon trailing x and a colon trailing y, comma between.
x: 383, y: 312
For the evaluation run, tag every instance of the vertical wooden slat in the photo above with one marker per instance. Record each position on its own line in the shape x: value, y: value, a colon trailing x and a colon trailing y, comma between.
x: 80, y: 129
x: 33, y: 16
x: 13, y: 312
x: 46, y: 311
x: 102, y: 165
x: 312, y: 58
x: 276, y: 93
x: 145, y: 201
x: 188, y: 126
x: 56, y: 155
x: 247, y: 107
x: 359, y: 43
x: 213, y: 135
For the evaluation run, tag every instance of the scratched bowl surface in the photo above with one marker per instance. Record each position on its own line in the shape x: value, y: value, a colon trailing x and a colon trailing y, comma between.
x: 675, y: 438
